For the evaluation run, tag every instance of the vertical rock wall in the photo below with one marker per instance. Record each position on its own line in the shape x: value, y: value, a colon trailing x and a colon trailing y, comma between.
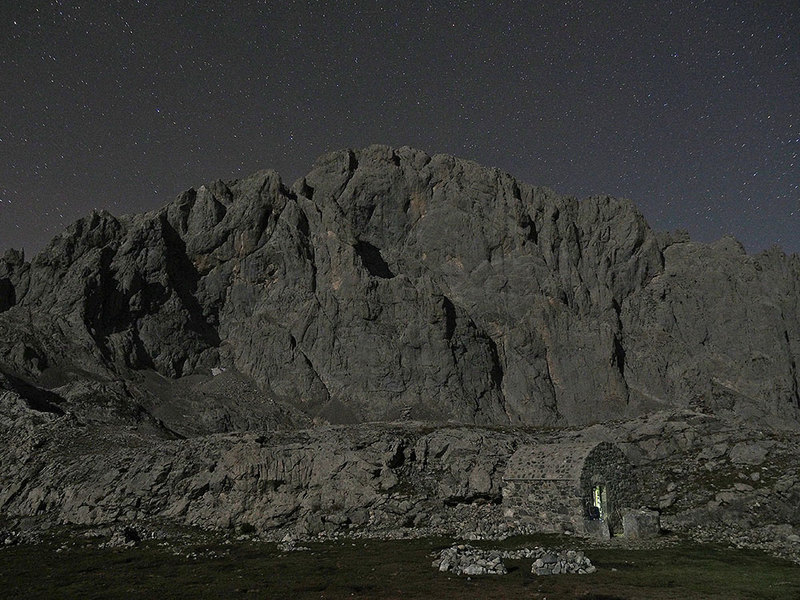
x: 390, y: 284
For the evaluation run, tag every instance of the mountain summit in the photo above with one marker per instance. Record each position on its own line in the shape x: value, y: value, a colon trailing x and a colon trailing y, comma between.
x: 386, y: 285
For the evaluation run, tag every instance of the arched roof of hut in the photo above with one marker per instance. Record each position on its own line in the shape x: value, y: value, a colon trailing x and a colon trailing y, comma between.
x: 562, y: 461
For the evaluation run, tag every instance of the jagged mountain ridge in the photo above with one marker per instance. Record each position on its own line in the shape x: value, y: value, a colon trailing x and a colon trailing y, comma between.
x: 389, y: 284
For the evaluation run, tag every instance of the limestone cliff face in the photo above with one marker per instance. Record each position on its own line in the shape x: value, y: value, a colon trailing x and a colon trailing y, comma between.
x: 389, y: 284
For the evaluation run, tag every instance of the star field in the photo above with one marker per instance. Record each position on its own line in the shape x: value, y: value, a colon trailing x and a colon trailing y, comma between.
x: 688, y: 108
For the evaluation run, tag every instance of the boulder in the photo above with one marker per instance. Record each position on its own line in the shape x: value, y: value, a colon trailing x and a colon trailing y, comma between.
x: 749, y: 453
x: 641, y: 524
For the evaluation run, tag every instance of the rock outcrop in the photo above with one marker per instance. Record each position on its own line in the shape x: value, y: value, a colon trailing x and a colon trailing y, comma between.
x: 388, y: 284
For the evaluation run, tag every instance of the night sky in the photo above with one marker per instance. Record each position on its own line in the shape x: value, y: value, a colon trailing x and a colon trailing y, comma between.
x: 690, y: 109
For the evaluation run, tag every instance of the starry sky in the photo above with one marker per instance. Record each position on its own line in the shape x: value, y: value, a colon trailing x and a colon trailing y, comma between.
x: 688, y: 108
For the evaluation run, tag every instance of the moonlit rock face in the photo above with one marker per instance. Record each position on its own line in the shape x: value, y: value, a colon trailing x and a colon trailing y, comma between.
x: 390, y: 284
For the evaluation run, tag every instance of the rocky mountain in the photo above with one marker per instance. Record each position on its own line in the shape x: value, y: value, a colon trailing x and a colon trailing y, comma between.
x: 362, y: 352
x: 388, y: 284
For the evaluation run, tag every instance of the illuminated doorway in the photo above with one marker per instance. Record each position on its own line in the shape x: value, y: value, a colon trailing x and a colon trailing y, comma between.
x: 599, y: 501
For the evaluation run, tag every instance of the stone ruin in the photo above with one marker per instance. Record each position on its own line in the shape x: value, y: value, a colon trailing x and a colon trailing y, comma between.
x: 580, y: 487
x: 463, y: 559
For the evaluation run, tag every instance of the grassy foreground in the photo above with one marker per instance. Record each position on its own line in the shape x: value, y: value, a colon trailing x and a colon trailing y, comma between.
x: 379, y: 569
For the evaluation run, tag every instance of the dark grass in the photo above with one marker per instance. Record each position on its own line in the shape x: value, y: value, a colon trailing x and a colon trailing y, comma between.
x: 380, y: 569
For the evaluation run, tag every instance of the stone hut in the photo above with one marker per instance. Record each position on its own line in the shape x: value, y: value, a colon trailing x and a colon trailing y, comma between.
x: 583, y: 487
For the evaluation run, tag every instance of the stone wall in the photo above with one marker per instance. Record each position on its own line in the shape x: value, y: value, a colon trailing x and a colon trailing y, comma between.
x: 559, y: 504
x: 549, y: 505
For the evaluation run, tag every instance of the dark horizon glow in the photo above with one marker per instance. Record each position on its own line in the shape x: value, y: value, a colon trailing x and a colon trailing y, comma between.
x: 688, y: 108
